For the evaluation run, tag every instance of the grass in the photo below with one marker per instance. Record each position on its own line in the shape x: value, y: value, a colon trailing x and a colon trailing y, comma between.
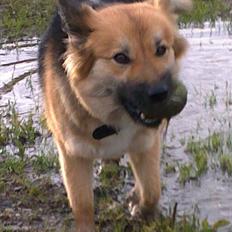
x: 165, y: 224
x: 169, y: 168
x: 226, y: 163
x: 196, y: 169
x: 211, y: 100
x: 29, y: 20
x: 217, y: 147
x: 201, y: 160
x: 16, y: 131
x: 45, y: 162
x: 32, y: 19
x: 30, y: 204
x: 213, y: 143
x: 186, y: 173
x: 43, y: 197
x: 114, y: 216
x: 111, y: 213
x: 110, y: 175
x: 204, y: 10
x: 12, y: 165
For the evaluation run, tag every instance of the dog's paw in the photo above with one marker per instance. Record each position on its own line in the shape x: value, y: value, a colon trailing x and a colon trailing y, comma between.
x: 140, y: 211
x: 85, y: 228
x: 132, y: 199
x: 144, y: 212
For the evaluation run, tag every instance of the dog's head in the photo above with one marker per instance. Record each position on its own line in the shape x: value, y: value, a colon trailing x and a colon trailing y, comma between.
x: 121, y: 58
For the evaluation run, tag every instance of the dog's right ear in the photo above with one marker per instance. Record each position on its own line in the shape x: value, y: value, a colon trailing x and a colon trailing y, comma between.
x: 76, y: 17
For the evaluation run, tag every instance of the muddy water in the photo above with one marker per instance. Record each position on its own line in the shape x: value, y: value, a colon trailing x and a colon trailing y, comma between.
x: 207, y: 72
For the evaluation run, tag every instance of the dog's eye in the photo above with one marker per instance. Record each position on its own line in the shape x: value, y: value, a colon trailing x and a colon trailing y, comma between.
x: 161, y: 50
x: 121, y: 58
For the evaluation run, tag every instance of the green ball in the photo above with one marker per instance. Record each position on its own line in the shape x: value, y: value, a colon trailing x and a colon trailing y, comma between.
x: 175, y: 102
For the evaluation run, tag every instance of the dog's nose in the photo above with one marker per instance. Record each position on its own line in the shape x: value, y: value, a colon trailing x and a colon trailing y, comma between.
x: 158, y: 92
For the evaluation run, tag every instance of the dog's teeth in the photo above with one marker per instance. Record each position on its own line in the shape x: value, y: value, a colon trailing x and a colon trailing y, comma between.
x: 142, y: 116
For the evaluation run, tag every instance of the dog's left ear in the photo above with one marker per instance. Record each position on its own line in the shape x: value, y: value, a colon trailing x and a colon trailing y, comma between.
x: 180, y: 46
x: 76, y: 17
x: 173, y: 6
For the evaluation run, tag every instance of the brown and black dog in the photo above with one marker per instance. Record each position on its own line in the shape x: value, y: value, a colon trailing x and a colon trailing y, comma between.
x: 104, y: 68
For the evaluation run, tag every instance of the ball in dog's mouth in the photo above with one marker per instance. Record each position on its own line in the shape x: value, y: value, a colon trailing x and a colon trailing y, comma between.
x: 168, y: 108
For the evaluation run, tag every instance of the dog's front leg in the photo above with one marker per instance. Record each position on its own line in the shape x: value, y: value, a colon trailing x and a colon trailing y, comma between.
x: 77, y: 174
x: 146, y: 169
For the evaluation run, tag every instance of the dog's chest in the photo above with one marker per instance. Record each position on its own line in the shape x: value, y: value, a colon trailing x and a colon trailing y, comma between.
x: 128, y: 138
x: 116, y: 145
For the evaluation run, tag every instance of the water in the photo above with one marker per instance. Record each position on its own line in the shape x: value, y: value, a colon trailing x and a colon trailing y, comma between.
x: 207, y: 72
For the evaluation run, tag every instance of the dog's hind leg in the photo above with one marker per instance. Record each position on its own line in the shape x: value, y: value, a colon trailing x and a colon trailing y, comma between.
x: 146, y: 169
x: 77, y: 175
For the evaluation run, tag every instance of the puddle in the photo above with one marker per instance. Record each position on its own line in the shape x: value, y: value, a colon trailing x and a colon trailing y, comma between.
x: 206, y: 71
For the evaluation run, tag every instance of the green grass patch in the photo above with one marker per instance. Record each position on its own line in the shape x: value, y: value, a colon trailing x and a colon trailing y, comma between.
x: 169, y: 168
x: 229, y: 142
x: 12, y: 165
x: 204, y: 10
x: 20, y: 18
x: 226, y: 163
x: 17, y: 131
x: 213, y: 143
x: 199, y: 166
x: 216, y: 147
x: 199, y: 150
x: 42, y: 199
x: 110, y: 174
x: 187, y: 172
x: 201, y: 161
x: 25, y: 17
x: 45, y: 162
x: 211, y: 100
x: 115, y: 219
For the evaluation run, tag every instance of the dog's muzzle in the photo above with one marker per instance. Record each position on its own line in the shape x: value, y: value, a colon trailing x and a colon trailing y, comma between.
x: 148, y: 104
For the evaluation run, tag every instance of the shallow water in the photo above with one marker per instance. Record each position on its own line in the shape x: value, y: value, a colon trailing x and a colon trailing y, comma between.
x: 206, y: 71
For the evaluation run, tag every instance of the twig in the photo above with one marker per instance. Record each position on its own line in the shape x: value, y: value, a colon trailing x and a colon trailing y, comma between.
x: 174, y: 214
x: 18, y: 62
x: 9, y: 86
x: 11, y: 47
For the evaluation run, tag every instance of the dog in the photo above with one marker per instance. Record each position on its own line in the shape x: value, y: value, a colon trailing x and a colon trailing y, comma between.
x: 105, y: 69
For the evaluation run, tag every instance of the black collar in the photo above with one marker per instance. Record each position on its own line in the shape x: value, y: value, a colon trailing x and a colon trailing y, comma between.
x: 103, y: 131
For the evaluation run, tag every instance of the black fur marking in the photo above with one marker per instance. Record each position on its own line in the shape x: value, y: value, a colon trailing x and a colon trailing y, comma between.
x: 53, y: 40
x: 103, y: 131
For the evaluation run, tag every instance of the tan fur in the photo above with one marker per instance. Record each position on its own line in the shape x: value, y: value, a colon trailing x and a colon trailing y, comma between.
x: 84, y: 100
x: 147, y: 189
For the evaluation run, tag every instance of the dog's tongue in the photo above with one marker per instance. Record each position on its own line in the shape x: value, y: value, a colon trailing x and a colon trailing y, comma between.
x: 103, y: 131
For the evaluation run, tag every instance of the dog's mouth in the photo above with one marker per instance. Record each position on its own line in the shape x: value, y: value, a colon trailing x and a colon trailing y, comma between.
x: 138, y: 116
x: 145, y: 111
